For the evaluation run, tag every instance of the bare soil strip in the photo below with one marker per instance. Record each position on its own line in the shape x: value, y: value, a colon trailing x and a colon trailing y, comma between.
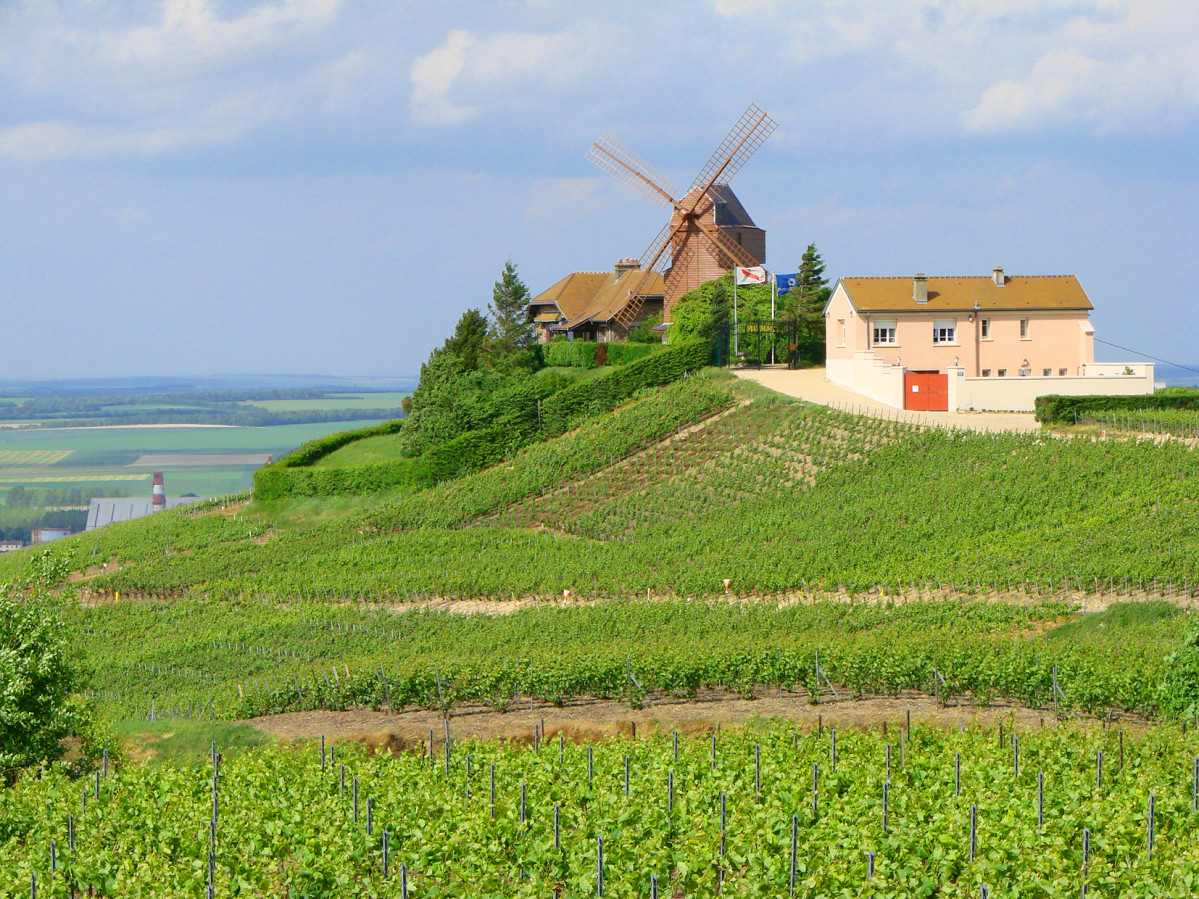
x: 589, y: 720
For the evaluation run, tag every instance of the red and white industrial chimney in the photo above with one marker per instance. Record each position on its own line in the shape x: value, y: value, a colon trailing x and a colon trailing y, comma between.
x: 159, y: 500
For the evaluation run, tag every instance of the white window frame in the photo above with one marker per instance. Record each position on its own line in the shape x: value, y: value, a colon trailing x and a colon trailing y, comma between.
x: 945, y: 332
x: 986, y: 329
x: 844, y: 333
x: 885, y: 325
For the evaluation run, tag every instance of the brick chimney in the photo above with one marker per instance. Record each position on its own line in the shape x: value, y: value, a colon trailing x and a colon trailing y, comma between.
x: 920, y: 288
x: 626, y: 265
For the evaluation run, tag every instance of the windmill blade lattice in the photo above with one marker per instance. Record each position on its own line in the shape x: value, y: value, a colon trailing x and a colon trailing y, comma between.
x: 734, y: 151
x: 630, y: 169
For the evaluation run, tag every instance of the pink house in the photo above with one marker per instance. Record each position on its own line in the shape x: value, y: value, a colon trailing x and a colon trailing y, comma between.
x: 968, y: 342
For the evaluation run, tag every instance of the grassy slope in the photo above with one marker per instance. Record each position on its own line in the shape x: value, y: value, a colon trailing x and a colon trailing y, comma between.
x: 776, y: 496
x: 368, y: 451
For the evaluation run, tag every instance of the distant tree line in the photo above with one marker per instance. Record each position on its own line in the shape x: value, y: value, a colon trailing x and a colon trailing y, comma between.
x: 230, y: 407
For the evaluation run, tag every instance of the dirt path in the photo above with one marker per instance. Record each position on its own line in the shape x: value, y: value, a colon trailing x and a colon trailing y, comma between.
x: 588, y: 720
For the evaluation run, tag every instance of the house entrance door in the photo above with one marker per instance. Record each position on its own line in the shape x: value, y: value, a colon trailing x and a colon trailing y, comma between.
x: 926, y: 391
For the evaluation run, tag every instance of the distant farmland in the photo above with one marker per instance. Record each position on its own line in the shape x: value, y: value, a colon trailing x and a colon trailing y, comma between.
x: 206, y: 459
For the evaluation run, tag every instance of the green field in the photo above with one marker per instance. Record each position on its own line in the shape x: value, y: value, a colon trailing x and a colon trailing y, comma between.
x: 335, y: 401
x: 95, y: 457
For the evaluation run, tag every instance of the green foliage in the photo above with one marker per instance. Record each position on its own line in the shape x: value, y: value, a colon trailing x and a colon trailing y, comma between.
x: 287, y: 824
x: 1179, y: 693
x: 274, y: 483
x: 37, y: 680
x: 469, y: 341
x: 570, y: 353
x: 811, y: 294
x: 512, y: 331
x: 315, y: 450
x: 624, y: 353
x: 1067, y: 409
x: 643, y: 331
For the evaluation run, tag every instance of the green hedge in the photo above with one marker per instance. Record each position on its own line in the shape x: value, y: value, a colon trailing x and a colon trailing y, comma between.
x: 1052, y: 408
x: 314, y: 450
x: 570, y: 353
x: 530, y: 419
x: 624, y: 353
x: 273, y: 482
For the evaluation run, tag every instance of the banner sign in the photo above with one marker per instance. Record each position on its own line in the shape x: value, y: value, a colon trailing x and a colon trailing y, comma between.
x: 755, y: 275
x: 786, y: 282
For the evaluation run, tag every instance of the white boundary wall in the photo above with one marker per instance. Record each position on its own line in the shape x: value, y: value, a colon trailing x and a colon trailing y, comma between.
x: 1019, y: 394
x: 875, y: 379
x: 868, y: 375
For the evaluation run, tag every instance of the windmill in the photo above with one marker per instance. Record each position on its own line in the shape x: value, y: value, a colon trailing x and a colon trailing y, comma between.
x: 694, y: 246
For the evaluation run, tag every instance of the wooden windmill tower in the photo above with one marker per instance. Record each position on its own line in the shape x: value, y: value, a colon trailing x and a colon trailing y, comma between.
x: 709, y: 231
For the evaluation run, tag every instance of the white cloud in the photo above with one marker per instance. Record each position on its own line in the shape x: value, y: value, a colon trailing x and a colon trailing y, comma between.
x: 107, y: 87
x: 191, y: 32
x: 467, y: 73
x: 1133, y: 71
x: 433, y: 75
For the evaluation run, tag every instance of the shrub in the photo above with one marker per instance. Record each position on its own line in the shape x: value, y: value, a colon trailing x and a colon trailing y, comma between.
x: 1053, y: 408
x: 36, y: 683
x: 275, y: 482
x: 624, y: 353
x: 315, y: 450
x: 570, y: 354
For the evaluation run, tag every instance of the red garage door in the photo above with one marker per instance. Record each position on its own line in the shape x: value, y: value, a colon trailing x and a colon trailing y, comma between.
x: 926, y: 391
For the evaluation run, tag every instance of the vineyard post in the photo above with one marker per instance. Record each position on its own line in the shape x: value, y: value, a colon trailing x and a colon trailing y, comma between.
x: 794, y: 851
x: 653, y: 886
x: 53, y: 856
x: 888, y: 761
x: 557, y: 830
x: 1040, y: 800
x: 493, y: 791
x: 104, y: 761
x: 590, y: 765
x: 626, y: 775
x: 670, y: 792
x: 386, y: 854
x: 71, y: 832
x: 886, y: 789
x: 403, y: 881
x: 370, y: 809
x: 833, y: 751
x: 1121, y: 751
x: 815, y: 790
x: 322, y: 752
x: 1015, y: 756
x: 723, y: 820
x: 1195, y: 786
x: 957, y: 774
x: 355, y: 800
x: 758, y: 769
x: 1099, y: 770
x: 676, y: 746
x: 447, y: 747
x: 523, y: 796
x: 1086, y: 852
x: 1149, y: 828
x: 973, y: 831
x: 343, y: 780
x: 599, y: 867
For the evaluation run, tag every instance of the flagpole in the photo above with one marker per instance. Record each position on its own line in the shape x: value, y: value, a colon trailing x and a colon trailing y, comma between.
x: 735, y: 351
x: 774, y: 283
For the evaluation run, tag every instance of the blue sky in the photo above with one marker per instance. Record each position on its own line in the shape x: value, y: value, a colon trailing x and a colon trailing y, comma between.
x: 215, y: 186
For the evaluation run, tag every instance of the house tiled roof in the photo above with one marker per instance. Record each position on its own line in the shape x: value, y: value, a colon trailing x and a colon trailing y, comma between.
x: 960, y: 294
x: 595, y: 296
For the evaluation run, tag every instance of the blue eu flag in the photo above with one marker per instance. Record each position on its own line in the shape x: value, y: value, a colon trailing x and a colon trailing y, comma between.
x: 786, y: 282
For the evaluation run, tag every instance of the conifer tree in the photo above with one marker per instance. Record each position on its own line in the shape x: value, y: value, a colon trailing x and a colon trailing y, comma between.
x: 511, y: 329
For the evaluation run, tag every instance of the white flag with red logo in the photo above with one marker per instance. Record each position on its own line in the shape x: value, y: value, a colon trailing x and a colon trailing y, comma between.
x: 755, y: 275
